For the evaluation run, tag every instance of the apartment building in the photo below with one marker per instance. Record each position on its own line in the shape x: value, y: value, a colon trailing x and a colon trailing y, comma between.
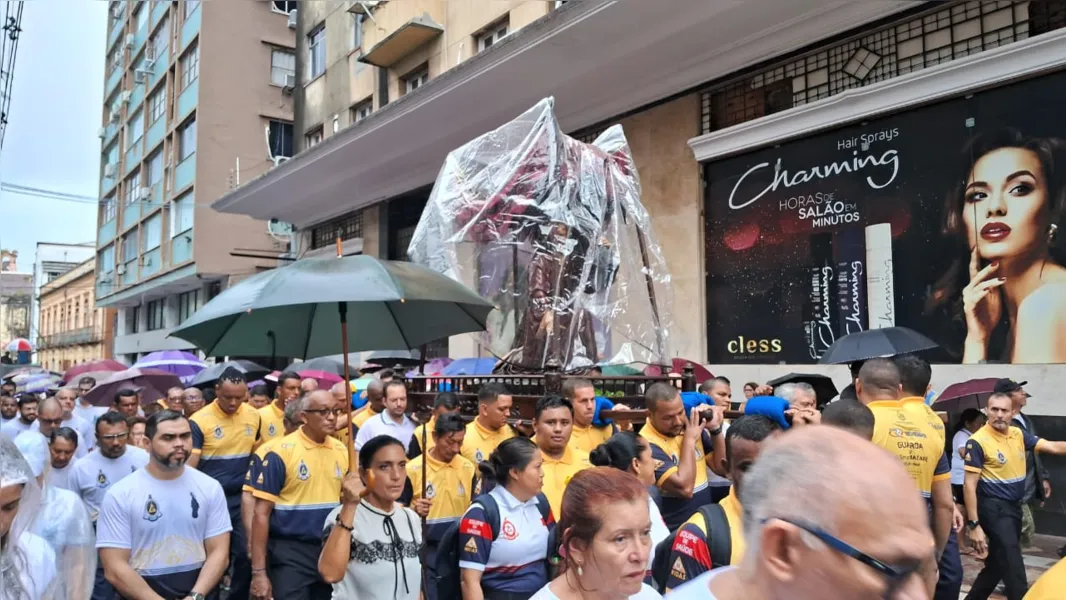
x: 195, y: 103
x: 50, y: 261
x: 72, y: 329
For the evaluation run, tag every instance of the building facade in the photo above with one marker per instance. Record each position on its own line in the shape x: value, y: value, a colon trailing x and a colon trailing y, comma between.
x: 16, y: 303
x: 195, y: 103
x: 72, y: 329
x: 50, y: 261
x: 798, y: 160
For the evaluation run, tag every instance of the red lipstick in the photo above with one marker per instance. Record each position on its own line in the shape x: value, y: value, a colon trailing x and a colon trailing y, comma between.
x: 995, y: 232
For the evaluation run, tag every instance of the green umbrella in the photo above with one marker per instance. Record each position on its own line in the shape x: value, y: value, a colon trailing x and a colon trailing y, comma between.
x: 313, y: 307
x: 296, y: 310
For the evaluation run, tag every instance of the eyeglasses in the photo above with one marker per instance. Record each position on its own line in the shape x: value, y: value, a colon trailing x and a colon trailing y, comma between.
x: 336, y: 412
x: 895, y: 577
x: 114, y: 436
x: 50, y: 421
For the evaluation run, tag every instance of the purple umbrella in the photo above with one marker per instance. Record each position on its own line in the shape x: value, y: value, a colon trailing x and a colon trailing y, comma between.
x: 152, y: 384
x: 179, y: 363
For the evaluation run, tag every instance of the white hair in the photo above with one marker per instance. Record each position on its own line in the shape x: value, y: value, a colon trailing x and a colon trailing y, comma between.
x: 788, y: 391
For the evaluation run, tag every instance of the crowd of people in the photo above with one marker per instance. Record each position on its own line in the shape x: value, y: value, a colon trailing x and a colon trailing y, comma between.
x: 249, y: 493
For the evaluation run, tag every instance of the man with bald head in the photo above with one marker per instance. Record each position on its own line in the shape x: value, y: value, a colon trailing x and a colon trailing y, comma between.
x: 308, y: 385
x: 819, y: 504
x: 375, y: 405
x: 68, y: 401
x: 908, y: 432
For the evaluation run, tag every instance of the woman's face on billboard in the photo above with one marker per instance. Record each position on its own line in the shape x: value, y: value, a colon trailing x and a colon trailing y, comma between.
x: 1006, y: 212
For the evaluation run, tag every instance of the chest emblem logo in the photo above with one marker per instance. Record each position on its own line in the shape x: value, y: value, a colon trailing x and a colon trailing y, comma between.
x: 303, y: 472
x: 194, y: 505
x: 478, y: 456
x: 271, y: 430
x: 431, y: 491
x: 337, y: 471
x: 462, y: 490
x: 101, y: 480
x: 1001, y: 458
x: 151, y: 510
x: 217, y: 432
x: 508, y: 530
x: 248, y: 431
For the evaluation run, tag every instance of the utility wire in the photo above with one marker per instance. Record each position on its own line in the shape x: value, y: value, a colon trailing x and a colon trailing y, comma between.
x: 12, y: 28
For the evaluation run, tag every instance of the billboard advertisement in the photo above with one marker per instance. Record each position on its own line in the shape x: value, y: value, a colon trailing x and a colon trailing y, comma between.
x: 948, y: 218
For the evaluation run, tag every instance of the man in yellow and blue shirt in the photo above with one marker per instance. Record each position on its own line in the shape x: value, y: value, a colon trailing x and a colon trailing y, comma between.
x: 489, y: 428
x: 553, y: 422
x: 273, y: 415
x: 994, y: 489
x: 450, y: 484
x: 586, y: 436
x: 224, y: 434
x: 297, y: 485
x: 444, y: 404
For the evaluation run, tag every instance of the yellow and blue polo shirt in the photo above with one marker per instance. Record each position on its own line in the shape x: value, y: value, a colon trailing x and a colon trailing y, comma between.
x: 690, y: 554
x: 303, y: 480
x: 557, y: 474
x: 917, y: 406
x: 586, y: 439
x: 449, y: 485
x: 906, y: 431
x: 272, y: 421
x: 665, y: 452
x: 415, y: 447
x: 479, y: 442
x: 224, y: 443
x: 1000, y: 459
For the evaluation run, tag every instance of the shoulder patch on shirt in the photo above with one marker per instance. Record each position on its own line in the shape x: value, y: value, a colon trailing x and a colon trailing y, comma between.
x: 677, y: 571
x: 659, y: 464
x: 151, y: 510
x: 471, y: 546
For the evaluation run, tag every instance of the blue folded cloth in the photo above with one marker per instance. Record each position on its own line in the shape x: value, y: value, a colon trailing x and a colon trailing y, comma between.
x: 771, y: 407
x: 359, y: 400
x: 694, y: 399
x: 602, y: 404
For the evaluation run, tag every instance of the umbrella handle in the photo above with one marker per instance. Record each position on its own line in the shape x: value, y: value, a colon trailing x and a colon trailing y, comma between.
x: 342, y: 310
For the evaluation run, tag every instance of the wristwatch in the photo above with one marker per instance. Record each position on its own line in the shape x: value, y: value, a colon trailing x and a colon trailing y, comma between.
x: 195, y: 596
x: 971, y: 525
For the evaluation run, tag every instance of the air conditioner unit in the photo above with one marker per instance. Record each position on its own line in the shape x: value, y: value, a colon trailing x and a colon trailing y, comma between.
x: 102, y: 133
x: 144, y: 193
x: 129, y: 40
x: 290, y: 82
x: 292, y: 19
x: 139, y: 76
x: 121, y: 269
x: 109, y: 170
x: 149, y: 53
x: 126, y: 97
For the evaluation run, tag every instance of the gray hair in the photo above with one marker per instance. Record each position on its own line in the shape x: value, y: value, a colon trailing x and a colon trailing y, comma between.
x: 293, y: 408
x: 788, y: 391
x: 790, y: 482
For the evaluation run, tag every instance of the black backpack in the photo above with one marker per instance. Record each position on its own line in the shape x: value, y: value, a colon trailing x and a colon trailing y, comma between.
x: 721, y: 545
x: 448, y: 578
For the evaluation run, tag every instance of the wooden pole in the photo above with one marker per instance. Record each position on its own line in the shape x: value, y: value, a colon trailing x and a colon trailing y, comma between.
x: 342, y: 310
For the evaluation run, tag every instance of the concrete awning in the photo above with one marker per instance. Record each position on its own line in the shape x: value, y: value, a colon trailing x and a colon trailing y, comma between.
x: 410, y: 36
x: 598, y: 58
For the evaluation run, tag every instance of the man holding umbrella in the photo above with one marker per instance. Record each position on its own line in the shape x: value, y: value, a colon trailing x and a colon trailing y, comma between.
x: 224, y: 435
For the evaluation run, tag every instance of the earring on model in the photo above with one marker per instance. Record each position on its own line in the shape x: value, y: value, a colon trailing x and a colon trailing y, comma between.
x: 1051, y: 232
x: 579, y: 571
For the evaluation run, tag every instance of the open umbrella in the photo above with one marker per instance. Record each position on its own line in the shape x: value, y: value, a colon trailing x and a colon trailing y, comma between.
x: 433, y: 367
x: 36, y: 382
x: 391, y: 358
x: 93, y: 366
x: 973, y: 393
x: 210, y: 375
x: 824, y: 388
x: 152, y: 384
x: 19, y: 345
x: 330, y: 364
x: 182, y: 364
x: 22, y: 371
x: 318, y: 307
x: 325, y: 380
x: 875, y: 343
x: 470, y: 366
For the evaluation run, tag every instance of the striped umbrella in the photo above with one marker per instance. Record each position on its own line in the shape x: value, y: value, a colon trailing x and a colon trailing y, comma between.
x: 176, y: 362
x: 19, y: 345
x: 36, y: 382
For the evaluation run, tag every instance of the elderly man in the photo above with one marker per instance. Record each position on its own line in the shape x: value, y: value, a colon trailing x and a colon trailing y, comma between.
x: 800, y: 395
x: 49, y: 419
x: 192, y: 400
x: 68, y: 401
x: 827, y: 516
x: 1037, y: 479
x: 308, y: 385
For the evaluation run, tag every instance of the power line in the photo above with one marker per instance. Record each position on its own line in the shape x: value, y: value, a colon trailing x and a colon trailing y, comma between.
x: 34, y: 191
x: 12, y: 28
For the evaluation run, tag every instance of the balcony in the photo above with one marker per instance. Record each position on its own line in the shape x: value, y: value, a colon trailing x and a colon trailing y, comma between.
x: 129, y: 273
x: 187, y: 99
x: 133, y: 158
x: 136, y: 97
x: 113, y: 79
x: 107, y: 184
x: 139, y: 38
x: 74, y: 337
x: 159, y: 10
x: 181, y: 248
x: 151, y: 262
x: 405, y: 39
x: 155, y: 133
x: 159, y: 69
x: 110, y: 131
x: 131, y: 214
x: 118, y: 28
x: 185, y: 173
x: 190, y: 28
x: 107, y: 232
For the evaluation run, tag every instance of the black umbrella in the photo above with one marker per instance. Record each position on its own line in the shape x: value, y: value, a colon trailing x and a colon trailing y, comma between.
x: 824, y: 388
x: 876, y: 343
x: 210, y: 375
x: 328, y: 364
x: 392, y: 358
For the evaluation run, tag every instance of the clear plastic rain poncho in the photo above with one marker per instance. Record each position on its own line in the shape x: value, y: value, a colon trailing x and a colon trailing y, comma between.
x: 63, y: 522
x: 27, y: 562
x: 552, y: 231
